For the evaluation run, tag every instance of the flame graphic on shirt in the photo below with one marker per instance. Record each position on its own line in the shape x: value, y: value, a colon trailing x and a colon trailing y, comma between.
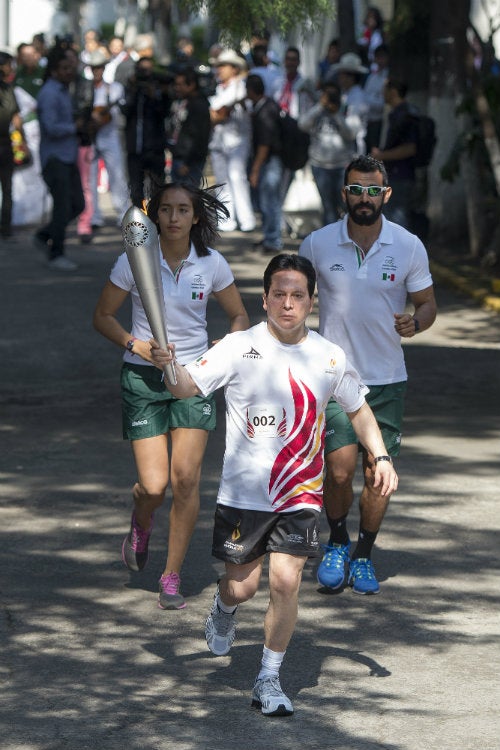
x: 297, y: 473
x: 250, y: 428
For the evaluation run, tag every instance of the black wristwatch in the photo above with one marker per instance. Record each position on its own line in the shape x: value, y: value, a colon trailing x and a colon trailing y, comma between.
x: 130, y: 344
x: 417, y: 325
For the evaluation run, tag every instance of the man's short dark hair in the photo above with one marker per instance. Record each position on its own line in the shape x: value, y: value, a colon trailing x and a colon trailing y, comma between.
x: 290, y: 262
x: 5, y: 58
x: 190, y: 76
x: 259, y: 55
x: 332, y: 92
x: 366, y: 164
x: 255, y: 84
x: 261, y: 34
x: 55, y: 56
x: 398, y: 85
x: 381, y: 49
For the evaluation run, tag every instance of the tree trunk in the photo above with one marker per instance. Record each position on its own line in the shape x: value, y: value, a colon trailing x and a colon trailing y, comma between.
x: 345, y: 19
x: 452, y: 205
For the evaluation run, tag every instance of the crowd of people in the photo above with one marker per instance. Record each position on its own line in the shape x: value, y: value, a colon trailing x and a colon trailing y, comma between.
x: 300, y: 405
x: 132, y: 119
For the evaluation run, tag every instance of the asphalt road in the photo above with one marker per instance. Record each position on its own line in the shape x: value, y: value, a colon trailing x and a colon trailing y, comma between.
x: 88, y: 659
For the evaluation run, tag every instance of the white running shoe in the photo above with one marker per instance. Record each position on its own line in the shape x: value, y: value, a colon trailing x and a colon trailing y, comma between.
x: 270, y: 698
x: 220, y: 629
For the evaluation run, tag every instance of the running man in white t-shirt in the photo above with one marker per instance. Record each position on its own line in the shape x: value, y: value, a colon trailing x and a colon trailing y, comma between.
x: 278, y: 377
x: 366, y: 267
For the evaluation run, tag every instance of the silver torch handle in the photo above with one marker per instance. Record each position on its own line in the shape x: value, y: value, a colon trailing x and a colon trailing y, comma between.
x: 140, y: 238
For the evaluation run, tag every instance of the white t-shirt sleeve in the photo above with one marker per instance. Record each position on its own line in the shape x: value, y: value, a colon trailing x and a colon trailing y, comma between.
x: 350, y: 392
x: 419, y: 276
x: 223, y: 276
x: 214, y: 368
x: 121, y: 273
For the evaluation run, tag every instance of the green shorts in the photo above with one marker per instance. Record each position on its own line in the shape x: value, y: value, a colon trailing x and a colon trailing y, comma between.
x: 242, y: 536
x: 386, y: 402
x: 149, y: 409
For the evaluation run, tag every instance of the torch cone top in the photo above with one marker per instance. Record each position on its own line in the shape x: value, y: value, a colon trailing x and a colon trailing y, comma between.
x: 137, y: 228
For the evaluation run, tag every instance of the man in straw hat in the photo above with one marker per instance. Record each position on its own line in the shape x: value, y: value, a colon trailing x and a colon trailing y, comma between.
x: 349, y: 73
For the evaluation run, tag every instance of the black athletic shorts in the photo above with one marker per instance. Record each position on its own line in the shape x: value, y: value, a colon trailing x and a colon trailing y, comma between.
x: 241, y: 536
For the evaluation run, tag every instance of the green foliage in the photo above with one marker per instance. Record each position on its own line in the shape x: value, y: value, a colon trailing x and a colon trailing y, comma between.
x: 410, y: 18
x: 236, y: 20
x: 198, y: 37
x: 409, y: 36
x: 197, y: 34
x: 471, y: 141
x: 107, y: 30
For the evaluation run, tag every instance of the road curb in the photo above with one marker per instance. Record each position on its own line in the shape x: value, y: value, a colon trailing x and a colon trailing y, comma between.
x: 463, y: 284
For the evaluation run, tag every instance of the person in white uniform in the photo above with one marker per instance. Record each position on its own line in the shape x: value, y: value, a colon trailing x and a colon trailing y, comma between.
x: 366, y: 267
x: 108, y: 146
x: 231, y: 140
x: 277, y: 379
x: 191, y: 272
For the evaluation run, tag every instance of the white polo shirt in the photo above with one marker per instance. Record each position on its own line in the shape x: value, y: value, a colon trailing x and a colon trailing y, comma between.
x: 358, y: 295
x: 276, y: 395
x: 186, y: 295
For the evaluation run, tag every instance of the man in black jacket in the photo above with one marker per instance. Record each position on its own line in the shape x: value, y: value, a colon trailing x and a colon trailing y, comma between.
x: 398, y: 153
x: 266, y: 170
x: 188, y: 128
x: 146, y: 105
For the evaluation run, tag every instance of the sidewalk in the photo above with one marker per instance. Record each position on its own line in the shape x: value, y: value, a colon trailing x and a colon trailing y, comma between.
x: 90, y: 662
x: 468, y: 278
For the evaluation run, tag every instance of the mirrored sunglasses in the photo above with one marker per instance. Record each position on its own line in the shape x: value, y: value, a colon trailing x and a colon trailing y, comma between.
x: 372, y: 190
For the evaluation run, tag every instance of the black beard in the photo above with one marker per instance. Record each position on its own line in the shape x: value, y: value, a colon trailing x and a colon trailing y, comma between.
x: 364, y: 220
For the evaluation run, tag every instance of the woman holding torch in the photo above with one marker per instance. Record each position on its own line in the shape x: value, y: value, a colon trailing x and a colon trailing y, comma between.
x: 186, y: 218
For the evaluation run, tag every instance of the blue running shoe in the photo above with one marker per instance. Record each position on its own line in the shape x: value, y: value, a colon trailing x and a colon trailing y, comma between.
x: 331, y: 571
x: 362, y: 576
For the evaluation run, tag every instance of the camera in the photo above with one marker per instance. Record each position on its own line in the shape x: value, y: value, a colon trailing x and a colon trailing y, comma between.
x: 333, y: 97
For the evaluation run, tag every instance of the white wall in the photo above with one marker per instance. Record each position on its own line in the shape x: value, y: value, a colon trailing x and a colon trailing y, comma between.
x: 29, y: 18
x: 481, y: 20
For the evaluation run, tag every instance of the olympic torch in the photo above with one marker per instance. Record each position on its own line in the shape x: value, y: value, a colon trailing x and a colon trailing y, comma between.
x: 140, y: 237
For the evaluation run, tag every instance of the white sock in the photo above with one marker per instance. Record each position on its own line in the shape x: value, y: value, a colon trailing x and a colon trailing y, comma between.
x: 271, y: 663
x: 225, y: 607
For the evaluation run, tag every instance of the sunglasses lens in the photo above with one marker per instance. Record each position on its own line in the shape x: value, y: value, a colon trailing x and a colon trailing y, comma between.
x: 374, y: 191
x: 355, y: 189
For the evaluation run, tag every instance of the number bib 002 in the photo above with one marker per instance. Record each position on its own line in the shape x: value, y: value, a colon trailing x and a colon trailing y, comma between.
x: 266, y: 421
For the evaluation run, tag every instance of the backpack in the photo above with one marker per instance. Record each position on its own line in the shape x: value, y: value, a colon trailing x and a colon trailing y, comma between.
x: 426, y: 140
x: 294, y: 143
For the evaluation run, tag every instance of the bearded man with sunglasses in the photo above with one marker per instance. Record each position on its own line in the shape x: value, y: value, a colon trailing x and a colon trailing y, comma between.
x: 366, y: 267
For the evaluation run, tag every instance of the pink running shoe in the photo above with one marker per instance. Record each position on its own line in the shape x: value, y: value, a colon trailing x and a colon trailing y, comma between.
x: 170, y: 597
x: 135, y: 546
